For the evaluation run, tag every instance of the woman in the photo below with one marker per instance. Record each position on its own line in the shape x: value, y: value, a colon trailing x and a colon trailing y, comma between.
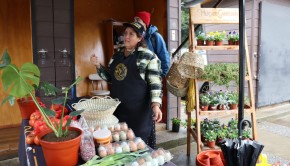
x: 135, y: 77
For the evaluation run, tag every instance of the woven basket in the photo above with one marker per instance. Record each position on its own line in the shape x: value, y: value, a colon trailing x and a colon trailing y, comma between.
x: 191, y: 65
x: 175, y: 78
x: 97, y: 108
x: 180, y: 92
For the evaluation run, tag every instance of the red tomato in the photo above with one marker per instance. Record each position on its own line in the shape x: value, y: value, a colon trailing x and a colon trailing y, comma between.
x: 31, y: 122
x: 30, y: 139
x: 43, y: 127
x: 35, y: 115
x: 37, y: 124
x: 36, y: 140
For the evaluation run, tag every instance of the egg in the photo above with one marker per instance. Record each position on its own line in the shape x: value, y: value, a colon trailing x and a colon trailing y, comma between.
x: 123, y: 136
x: 126, y: 148
x: 135, y: 163
x: 124, y: 126
x: 102, y: 153
x: 154, y: 162
x: 141, y: 145
x: 160, y: 152
x: 117, y: 127
x: 141, y: 161
x: 154, y: 154
x: 111, y: 128
x: 119, y: 149
x: 133, y: 146
x: 116, y: 137
x: 130, y: 134
x: 138, y: 139
x: 111, y: 151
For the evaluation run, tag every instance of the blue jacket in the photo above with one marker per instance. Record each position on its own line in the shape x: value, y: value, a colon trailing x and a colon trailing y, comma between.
x: 159, y: 48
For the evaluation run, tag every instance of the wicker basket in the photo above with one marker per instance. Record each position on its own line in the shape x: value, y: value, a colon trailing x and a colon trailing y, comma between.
x: 98, y: 110
x: 180, y: 92
x: 191, y: 65
x: 174, y: 77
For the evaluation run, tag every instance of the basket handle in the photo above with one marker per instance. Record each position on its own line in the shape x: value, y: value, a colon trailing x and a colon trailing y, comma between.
x: 105, y: 97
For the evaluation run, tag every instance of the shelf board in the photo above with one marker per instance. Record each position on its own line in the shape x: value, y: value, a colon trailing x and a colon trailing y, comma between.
x: 222, y: 112
x: 223, y: 47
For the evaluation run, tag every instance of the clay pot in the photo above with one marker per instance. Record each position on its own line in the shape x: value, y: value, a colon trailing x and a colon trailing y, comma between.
x: 27, y: 106
x: 212, y: 107
x: 210, y: 144
x: 237, y: 43
x: 230, y: 42
x: 200, y: 42
x: 209, y: 43
x: 204, y: 107
x: 218, y: 43
x: 215, y: 158
x: 60, y: 153
x: 233, y: 106
x: 202, y: 160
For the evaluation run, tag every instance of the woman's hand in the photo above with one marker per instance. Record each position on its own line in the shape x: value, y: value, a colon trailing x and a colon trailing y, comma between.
x: 95, y: 61
x: 157, y: 113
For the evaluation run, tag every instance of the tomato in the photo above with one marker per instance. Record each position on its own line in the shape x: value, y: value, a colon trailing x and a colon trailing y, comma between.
x: 31, y: 122
x: 36, y: 140
x: 57, y: 107
x: 43, y: 127
x: 30, y: 139
x: 35, y: 115
x: 37, y: 124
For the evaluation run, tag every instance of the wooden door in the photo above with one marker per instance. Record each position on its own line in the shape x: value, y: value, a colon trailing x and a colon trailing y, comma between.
x: 15, y: 36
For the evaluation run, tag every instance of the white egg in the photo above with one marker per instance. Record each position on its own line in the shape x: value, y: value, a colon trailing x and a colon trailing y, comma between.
x: 119, y: 149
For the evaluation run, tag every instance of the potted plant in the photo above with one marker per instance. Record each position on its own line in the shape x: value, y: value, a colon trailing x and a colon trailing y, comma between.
x: 246, y: 134
x: 192, y: 123
x: 233, y: 38
x: 175, y: 124
x: 221, y: 133
x: 209, y: 39
x: 222, y: 100
x: 233, y: 99
x: 204, y: 100
x: 210, y: 137
x: 214, y: 101
x: 221, y: 74
x: 20, y: 82
x: 200, y: 38
x: 219, y: 38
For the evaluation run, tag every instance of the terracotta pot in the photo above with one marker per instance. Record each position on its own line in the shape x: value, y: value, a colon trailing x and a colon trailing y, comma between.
x: 27, y: 106
x: 215, y: 158
x: 61, y: 153
x: 209, y: 43
x: 221, y: 107
x: 218, y: 43
x: 202, y: 160
x: 212, y: 107
x: 230, y: 42
x: 233, y: 106
x: 237, y: 43
x: 200, y: 42
x: 204, y: 107
x: 210, y: 144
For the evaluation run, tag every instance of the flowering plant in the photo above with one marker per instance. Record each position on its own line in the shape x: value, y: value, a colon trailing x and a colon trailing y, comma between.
x: 201, y: 36
x: 210, y: 36
x: 204, y: 99
x: 219, y: 36
x: 210, y: 135
x: 233, y: 36
x: 233, y: 97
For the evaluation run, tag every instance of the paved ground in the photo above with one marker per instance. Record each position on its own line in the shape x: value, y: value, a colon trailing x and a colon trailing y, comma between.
x: 273, y: 128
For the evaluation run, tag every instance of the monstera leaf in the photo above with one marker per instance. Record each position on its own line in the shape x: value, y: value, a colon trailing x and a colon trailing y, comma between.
x: 19, y: 83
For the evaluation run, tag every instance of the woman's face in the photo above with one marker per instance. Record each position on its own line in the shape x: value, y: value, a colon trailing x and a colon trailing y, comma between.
x: 130, y: 38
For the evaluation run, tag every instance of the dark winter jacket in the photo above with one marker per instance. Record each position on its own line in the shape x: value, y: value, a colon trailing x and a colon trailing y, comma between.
x: 157, y: 45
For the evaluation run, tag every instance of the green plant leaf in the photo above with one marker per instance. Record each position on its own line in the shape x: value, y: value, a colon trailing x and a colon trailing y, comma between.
x: 9, y: 98
x: 68, y: 122
x: 49, y: 89
x: 49, y: 112
x: 58, y: 100
x: 6, y: 60
x: 20, y: 82
x: 76, y: 113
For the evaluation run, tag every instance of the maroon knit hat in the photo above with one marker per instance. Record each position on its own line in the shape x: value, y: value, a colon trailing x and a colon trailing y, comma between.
x: 145, y: 16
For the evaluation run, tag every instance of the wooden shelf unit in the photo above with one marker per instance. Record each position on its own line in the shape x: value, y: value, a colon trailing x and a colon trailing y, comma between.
x: 216, y: 16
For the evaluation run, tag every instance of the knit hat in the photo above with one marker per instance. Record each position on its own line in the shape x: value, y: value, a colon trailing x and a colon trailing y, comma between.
x: 145, y: 17
x: 138, y: 27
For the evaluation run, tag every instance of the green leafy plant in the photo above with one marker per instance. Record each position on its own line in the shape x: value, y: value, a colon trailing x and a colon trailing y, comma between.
x: 221, y: 74
x: 204, y: 99
x: 201, y: 36
x: 213, y: 97
x: 23, y: 82
x: 233, y: 97
x: 210, y: 135
x: 193, y: 123
x: 222, y: 98
x: 176, y: 121
x: 233, y: 36
x: 246, y: 133
x: 219, y: 36
x: 222, y: 133
x: 210, y: 36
